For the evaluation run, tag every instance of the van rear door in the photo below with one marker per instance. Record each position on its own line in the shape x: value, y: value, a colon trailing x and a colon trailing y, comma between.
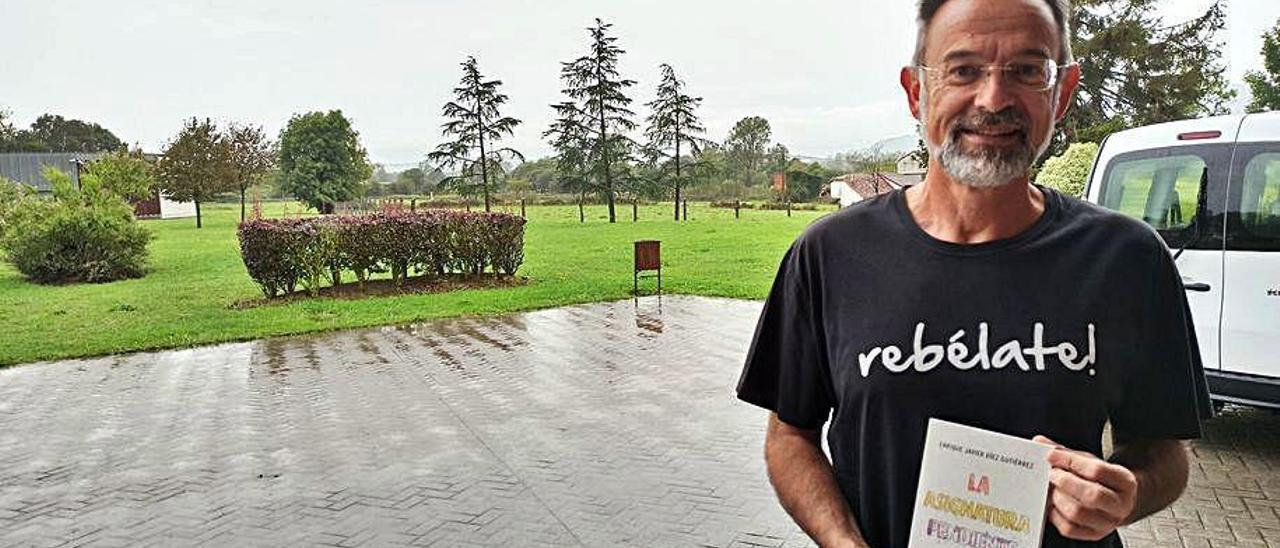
x: 1251, y: 269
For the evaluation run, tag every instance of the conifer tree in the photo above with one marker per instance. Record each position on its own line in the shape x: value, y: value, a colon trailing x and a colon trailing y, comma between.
x: 673, y: 123
x: 476, y: 125
x: 593, y: 81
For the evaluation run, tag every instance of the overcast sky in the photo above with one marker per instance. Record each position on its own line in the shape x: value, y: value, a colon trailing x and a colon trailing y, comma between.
x: 823, y: 73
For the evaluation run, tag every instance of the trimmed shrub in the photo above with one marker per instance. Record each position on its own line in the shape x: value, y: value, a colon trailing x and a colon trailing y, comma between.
x: 81, y: 235
x: 281, y: 253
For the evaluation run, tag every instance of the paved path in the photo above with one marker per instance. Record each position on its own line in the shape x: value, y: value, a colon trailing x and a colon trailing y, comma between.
x: 598, y: 425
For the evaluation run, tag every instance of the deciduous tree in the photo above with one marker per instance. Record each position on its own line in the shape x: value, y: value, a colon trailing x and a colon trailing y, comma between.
x: 194, y: 167
x: 251, y: 157
x: 745, y: 147
x: 53, y: 133
x: 321, y: 159
x: 1265, y: 84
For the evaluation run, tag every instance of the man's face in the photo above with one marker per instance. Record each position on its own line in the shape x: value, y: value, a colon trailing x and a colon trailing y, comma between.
x: 988, y: 133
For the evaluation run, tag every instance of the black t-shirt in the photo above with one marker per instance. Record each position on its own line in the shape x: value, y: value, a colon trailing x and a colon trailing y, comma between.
x: 1078, y: 320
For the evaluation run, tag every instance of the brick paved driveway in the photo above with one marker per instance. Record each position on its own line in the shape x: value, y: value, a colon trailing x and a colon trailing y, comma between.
x: 599, y: 425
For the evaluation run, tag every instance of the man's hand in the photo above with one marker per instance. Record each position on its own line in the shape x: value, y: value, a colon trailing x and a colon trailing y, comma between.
x: 1088, y: 497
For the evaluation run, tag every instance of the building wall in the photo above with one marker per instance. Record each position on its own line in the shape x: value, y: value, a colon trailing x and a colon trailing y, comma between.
x: 170, y: 209
x: 27, y: 167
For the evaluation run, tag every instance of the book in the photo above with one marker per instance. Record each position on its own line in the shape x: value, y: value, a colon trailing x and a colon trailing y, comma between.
x: 979, y: 489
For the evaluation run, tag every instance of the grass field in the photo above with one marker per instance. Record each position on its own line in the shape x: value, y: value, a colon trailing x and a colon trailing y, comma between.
x: 197, y: 276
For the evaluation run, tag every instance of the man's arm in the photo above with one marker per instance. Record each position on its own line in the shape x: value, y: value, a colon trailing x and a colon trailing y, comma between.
x: 806, y: 486
x: 1161, y: 468
x: 1091, y: 497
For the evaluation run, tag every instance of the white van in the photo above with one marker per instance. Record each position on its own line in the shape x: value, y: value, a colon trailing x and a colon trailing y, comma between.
x: 1211, y: 188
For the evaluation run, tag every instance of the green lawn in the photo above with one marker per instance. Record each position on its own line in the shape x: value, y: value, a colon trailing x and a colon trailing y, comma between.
x: 197, y: 276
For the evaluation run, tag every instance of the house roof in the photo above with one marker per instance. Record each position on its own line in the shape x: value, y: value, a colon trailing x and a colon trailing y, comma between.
x: 867, y: 185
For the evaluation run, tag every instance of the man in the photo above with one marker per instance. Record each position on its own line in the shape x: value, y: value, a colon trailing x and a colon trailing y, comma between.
x: 979, y: 298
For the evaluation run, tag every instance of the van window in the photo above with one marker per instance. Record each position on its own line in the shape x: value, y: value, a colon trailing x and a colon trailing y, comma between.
x: 1163, y: 191
x: 1255, y: 217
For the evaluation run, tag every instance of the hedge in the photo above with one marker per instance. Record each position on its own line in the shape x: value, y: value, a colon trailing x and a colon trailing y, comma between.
x: 280, y: 254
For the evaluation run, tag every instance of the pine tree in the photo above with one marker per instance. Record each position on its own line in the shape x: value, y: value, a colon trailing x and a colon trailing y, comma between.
x: 476, y: 124
x: 674, y: 122
x: 594, y: 82
x: 1140, y: 70
x: 571, y: 138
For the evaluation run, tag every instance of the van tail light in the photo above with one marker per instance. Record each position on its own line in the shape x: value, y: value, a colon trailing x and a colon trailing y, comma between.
x: 1198, y: 135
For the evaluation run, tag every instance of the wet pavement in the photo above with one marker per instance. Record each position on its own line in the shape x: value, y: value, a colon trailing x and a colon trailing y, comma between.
x: 596, y: 425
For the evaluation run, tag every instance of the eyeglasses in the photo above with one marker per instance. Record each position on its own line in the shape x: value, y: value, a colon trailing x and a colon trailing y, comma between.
x: 1032, y: 75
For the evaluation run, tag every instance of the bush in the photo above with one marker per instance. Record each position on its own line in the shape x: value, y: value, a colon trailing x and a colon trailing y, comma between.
x: 1067, y: 172
x: 81, y: 235
x: 281, y: 253
x: 12, y: 195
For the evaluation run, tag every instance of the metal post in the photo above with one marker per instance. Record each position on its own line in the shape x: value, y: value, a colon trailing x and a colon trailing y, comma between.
x: 79, y: 164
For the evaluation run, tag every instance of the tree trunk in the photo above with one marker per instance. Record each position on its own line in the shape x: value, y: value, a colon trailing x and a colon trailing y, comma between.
x: 198, y: 224
x: 635, y: 210
x: 582, y: 215
x: 242, y: 189
x: 484, y: 160
x: 677, y: 204
x: 604, y: 147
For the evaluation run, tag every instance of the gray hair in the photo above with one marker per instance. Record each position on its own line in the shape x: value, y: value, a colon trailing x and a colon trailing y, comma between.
x: 1061, y: 16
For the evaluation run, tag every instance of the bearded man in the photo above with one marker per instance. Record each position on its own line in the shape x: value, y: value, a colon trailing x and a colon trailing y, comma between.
x: 1056, y: 316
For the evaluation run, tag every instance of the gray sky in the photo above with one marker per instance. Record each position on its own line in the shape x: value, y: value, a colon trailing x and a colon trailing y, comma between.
x: 823, y: 73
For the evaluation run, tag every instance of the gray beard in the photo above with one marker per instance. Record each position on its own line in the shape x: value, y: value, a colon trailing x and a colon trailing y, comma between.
x: 983, y: 168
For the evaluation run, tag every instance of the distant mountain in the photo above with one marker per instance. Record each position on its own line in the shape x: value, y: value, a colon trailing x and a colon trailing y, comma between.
x: 901, y: 144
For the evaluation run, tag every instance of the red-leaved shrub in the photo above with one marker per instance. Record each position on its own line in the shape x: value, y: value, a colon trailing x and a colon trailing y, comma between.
x: 281, y: 253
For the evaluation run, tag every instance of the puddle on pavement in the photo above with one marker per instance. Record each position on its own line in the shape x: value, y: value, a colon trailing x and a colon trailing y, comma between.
x: 649, y: 314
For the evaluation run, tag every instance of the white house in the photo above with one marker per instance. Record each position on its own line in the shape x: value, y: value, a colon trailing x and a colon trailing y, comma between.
x: 853, y: 188
x: 909, y: 164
